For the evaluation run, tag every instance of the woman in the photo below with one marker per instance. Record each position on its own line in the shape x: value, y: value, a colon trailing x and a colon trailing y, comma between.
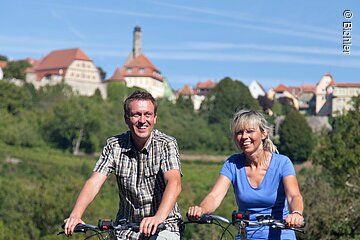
x: 264, y: 181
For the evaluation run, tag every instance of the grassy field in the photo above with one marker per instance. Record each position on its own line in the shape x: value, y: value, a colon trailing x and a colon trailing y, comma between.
x: 39, y: 187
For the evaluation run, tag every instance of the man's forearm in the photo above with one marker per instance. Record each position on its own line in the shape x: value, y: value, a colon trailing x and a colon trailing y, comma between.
x: 87, y: 194
x: 171, y: 193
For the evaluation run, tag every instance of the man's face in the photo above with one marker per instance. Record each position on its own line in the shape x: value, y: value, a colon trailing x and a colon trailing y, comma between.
x: 141, y: 121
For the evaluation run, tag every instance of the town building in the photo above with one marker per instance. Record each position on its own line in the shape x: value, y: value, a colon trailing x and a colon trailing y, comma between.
x: 341, y: 96
x: 256, y: 89
x: 323, y: 97
x: 282, y: 94
x: 71, y: 66
x: 334, y: 98
x: 306, y: 97
x: 139, y: 71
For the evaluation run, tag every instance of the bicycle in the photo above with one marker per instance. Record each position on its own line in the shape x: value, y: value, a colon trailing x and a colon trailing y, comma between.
x: 105, y: 229
x: 241, y: 221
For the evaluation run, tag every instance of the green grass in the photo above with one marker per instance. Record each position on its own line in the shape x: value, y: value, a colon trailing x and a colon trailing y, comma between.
x: 39, y: 188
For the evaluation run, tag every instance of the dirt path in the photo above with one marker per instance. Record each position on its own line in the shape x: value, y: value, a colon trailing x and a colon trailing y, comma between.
x: 204, y: 157
x: 219, y: 158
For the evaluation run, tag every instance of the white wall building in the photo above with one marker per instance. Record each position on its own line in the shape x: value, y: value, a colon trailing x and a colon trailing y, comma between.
x: 73, y: 67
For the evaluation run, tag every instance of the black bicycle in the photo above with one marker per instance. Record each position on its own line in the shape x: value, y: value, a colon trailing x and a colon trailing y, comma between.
x: 105, y: 229
x: 241, y: 221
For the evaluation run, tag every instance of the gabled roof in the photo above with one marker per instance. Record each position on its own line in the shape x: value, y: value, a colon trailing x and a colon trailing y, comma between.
x: 328, y: 75
x: 186, y: 90
x: 280, y: 88
x: 61, y: 59
x: 57, y: 61
x: 117, y: 75
x: 337, y: 84
x: 141, y: 62
x: 308, y: 88
x: 294, y: 90
x: 205, y: 85
x: 258, y: 84
x: 139, y: 66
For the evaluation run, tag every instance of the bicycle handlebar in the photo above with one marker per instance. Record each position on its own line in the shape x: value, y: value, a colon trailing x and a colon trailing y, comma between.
x: 241, y: 222
x: 208, y: 219
x: 109, y: 225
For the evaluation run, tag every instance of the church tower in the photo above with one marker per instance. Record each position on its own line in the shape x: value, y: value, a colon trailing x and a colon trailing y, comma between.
x: 136, y: 42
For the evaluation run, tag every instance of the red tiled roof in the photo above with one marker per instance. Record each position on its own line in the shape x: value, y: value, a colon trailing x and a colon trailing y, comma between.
x: 294, y: 90
x: 205, y: 85
x: 308, y: 88
x: 61, y: 59
x: 32, y: 61
x: 280, y: 88
x: 117, y: 75
x: 141, y: 61
x: 56, y: 61
x: 328, y: 75
x: 337, y: 84
x: 139, y: 66
x: 186, y: 90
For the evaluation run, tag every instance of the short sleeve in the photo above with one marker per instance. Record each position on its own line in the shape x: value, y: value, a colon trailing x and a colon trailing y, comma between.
x: 288, y: 168
x: 171, y: 157
x: 227, y: 170
x: 105, y: 164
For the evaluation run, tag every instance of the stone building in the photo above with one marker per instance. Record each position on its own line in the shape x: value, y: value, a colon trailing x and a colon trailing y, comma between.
x: 71, y: 66
x: 139, y: 71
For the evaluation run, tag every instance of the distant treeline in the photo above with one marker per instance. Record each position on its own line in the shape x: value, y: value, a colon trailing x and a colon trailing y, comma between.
x: 55, y: 116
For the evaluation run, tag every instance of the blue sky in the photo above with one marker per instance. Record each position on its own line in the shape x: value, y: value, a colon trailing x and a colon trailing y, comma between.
x: 273, y: 42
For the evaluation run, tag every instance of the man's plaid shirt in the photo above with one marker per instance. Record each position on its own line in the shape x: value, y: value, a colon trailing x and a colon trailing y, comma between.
x: 140, y: 176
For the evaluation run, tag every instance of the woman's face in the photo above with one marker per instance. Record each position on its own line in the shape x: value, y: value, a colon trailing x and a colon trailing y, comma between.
x: 249, y: 139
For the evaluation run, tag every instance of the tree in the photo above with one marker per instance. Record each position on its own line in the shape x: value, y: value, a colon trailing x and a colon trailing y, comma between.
x: 118, y: 91
x: 74, y: 123
x: 3, y: 58
x: 51, y: 94
x: 185, y: 102
x: 13, y: 98
x: 296, y: 138
x: 338, y: 154
x: 16, y: 69
x: 225, y: 99
x: 339, y: 151
x: 21, y: 129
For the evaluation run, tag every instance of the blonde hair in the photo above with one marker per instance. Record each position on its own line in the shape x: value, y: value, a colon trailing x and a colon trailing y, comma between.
x: 249, y: 118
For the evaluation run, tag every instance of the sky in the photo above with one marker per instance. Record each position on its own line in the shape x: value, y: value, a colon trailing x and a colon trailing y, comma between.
x: 272, y: 42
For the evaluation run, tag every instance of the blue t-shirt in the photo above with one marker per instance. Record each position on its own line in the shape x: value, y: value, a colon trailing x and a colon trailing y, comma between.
x: 267, y: 199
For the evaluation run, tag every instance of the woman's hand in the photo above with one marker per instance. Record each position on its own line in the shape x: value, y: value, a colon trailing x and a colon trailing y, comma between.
x: 294, y: 220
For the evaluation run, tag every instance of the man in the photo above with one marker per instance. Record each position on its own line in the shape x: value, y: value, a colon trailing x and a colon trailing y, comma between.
x: 147, y: 168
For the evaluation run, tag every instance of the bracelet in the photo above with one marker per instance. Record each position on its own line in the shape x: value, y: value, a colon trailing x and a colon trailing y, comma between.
x: 296, y: 212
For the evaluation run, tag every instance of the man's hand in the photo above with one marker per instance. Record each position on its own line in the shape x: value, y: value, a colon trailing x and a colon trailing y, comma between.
x: 148, y: 226
x: 195, y: 212
x: 70, y: 224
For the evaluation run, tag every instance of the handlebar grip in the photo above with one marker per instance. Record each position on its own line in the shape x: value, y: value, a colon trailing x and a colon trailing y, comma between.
x: 135, y: 227
x: 80, y: 228
x: 204, y: 219
x: 161, y: 227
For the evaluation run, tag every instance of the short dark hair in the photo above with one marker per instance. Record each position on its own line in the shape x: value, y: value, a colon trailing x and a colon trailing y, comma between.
x: 139, y: 96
